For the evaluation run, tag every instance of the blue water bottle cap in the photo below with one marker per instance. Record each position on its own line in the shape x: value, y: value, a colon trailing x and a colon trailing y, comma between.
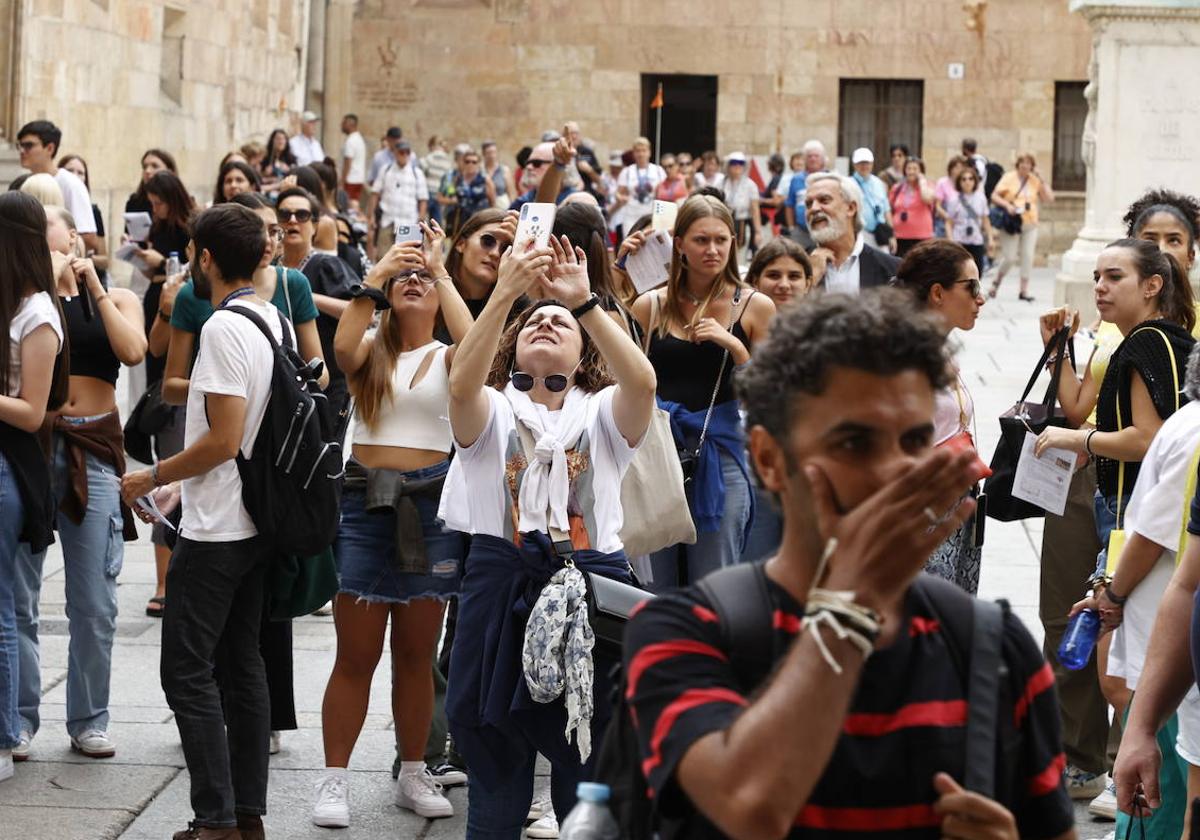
x: 592, y: 792
x: 174, y: 254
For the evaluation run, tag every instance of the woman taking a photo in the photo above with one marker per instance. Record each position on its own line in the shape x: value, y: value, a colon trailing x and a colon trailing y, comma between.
x: 1019, y: 193
x: 473, y: 259
x: 30, y: 384
x: 104, y: 331
x: 944, y: 280
x: 395, y: 561
x: 912, y: 203
x: 542, y: 385
x: 702, y: 325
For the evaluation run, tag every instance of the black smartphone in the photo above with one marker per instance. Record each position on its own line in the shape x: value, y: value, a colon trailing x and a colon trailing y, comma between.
x: 980, y: 518
x: 85, y: 300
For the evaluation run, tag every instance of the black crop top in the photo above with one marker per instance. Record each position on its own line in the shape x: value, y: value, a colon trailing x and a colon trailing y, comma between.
x: 91, y: 353
x: 687, y: 372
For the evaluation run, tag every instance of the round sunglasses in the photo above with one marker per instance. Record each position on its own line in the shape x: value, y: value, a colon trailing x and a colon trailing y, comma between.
x: 555, y: 382
x: 298, y: 215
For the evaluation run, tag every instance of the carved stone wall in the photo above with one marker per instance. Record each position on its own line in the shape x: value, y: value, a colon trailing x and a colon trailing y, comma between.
x: 509, y: 69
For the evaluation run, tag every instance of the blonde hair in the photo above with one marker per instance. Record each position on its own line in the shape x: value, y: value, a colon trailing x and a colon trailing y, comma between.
x: 1029, y: 157
x: 45, y: 189
x: 641, y: 141
x: 691, y: 211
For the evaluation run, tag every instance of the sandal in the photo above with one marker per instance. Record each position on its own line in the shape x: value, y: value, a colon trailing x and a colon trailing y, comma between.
x: 154, y: 607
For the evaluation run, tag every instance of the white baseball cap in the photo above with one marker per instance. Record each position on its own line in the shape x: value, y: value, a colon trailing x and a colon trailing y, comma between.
x: 862, y: 155
x: 309, y: 116
x: 736, y: 157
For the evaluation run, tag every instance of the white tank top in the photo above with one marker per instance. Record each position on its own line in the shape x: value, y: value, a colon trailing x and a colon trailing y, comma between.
x: 414, y: 417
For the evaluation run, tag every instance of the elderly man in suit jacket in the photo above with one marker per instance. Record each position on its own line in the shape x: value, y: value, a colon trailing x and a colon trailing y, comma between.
x: 842, y: 261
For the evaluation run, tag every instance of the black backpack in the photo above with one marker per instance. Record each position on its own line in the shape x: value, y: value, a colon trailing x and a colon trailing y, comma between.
x: 993, y: 172
x: 740, y: 597
x: 292, y: 484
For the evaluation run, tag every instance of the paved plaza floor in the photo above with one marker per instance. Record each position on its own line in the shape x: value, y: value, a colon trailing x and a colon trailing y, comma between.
x: 142, y: 793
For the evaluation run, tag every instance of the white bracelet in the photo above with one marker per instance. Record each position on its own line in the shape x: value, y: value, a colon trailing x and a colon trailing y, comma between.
x: 824, y: 618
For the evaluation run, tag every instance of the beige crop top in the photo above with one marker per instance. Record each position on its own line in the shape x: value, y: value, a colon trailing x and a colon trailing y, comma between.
x: 415, y: 417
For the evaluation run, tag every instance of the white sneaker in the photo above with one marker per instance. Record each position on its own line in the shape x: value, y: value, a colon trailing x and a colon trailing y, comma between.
x: 94, y: 743
x: 421, y: 794
x: 1104, y: 806
x: 1082, y: 784
x: 6, y: 765
x: 539, y: 808
x: 276, y: 743
x: 544, y: 828
x: 332, y: 808
x: 21, y: 751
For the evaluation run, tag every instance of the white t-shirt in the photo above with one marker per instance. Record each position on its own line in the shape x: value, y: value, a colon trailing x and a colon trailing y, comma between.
x: 235, y: 360
x: 486, y: 465
x: 738, y: 195
x: 1156, y: 511
x: 77, y: 199
x: 641, y: 184
x: 355, y: 148
x: 35, y: 311
x: 306, y: 149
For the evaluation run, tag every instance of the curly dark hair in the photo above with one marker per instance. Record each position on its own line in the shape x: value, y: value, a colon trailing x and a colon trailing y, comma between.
x: 1183, y: 207
x: 592, y: 375
x: 880, y: 332
x: 933, y: 262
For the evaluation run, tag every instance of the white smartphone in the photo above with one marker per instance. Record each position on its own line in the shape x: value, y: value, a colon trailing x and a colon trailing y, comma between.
x: 663, y: 217
x: 537, y: 220
x: 409, y: 233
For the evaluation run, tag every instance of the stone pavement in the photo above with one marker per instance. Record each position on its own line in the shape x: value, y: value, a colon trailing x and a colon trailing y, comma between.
x: 142, y: 793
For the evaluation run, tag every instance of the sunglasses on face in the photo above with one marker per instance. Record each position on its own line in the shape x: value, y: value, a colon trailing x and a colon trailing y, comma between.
x: 537, y: 164
x: 973, y: 288
x: 489, y: 242
x: 471, y: 161
x: 299, y: 215
x: 554, y: 383
x: 28, y: 145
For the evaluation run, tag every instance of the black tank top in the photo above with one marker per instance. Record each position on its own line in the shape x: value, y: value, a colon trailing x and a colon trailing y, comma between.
x: 91, y: 354
x: 687, y: 372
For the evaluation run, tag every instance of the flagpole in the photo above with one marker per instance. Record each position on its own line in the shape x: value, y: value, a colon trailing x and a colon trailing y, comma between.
x: 658, y: 128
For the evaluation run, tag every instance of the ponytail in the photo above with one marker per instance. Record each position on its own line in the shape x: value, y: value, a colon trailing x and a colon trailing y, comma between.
x: 1175, y: 301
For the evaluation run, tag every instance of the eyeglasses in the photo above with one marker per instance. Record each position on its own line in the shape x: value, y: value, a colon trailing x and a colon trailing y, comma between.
x: 275, y: 232
x: 537, y: 164
x: 299, y: 215
x: 425, y: 281
x: 489, y: 242
x: 973, y: 288
x: 554, y: 383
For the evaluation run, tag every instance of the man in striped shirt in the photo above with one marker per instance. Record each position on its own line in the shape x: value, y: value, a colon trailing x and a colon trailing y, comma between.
x: 834, y: 743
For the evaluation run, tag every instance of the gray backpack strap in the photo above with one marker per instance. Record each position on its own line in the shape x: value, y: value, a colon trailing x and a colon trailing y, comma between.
x: 983, y: 698
x: 742, y: 602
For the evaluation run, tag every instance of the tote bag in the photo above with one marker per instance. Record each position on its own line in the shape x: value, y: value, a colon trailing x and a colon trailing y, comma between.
x: 1022, y: 418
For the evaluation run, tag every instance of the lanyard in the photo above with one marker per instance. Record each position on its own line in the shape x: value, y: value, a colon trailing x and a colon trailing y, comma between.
x: 235, y: 294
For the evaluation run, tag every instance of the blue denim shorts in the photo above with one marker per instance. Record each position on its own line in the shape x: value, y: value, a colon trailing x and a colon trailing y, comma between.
x: 1106, y: 521
x: 366, y: 553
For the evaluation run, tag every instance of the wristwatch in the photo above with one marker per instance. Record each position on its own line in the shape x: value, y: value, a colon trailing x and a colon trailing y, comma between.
x: 586, y: 307
x: 165, y: 316
x: 359, y: 290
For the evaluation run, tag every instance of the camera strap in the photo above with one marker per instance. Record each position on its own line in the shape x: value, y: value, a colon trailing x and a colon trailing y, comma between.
x: 733, y: 315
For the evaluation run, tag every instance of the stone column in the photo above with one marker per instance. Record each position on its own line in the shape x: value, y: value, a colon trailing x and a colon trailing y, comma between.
x: 1143, y: 121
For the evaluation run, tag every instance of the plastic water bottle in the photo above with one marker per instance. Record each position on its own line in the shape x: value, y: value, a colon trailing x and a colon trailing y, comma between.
x: 590, y: 819
x: 172, y: 264
x: 1077, y: 643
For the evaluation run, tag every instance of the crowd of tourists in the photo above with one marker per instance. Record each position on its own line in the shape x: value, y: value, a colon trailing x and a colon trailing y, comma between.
x: 714, y: 543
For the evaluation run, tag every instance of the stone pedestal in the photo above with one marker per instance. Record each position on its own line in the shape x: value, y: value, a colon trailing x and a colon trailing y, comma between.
x: 1143, y: 121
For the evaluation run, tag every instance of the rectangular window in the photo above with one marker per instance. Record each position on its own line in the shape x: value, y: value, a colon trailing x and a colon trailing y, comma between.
x: 171, y: 62
x: 689, y: 112
x: 1070, y: 114
x: 878, y: 113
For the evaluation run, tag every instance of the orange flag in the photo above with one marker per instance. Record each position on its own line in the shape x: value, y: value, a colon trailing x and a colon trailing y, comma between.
x: 657, y: 101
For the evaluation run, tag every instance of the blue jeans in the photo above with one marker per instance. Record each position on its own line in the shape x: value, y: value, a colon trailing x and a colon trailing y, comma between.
x: 12, y: 516
x: 93, y: 552
x: 766, y: 531
x: 499, y: 814
x: 713, y: 550
x: 1106, y: 521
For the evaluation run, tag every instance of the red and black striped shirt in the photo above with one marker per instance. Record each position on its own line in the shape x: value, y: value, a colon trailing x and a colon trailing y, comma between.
x: 907, y: 721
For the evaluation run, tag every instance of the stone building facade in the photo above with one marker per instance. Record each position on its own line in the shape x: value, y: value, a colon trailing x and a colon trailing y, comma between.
x: 195, y: 77
x: 783, y: 71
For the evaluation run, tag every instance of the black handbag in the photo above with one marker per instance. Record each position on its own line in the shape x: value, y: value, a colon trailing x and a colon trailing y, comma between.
x: 1003, y: 220
x: 610, y: 603
x: 150, y: 416
x: 1015, y: 423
